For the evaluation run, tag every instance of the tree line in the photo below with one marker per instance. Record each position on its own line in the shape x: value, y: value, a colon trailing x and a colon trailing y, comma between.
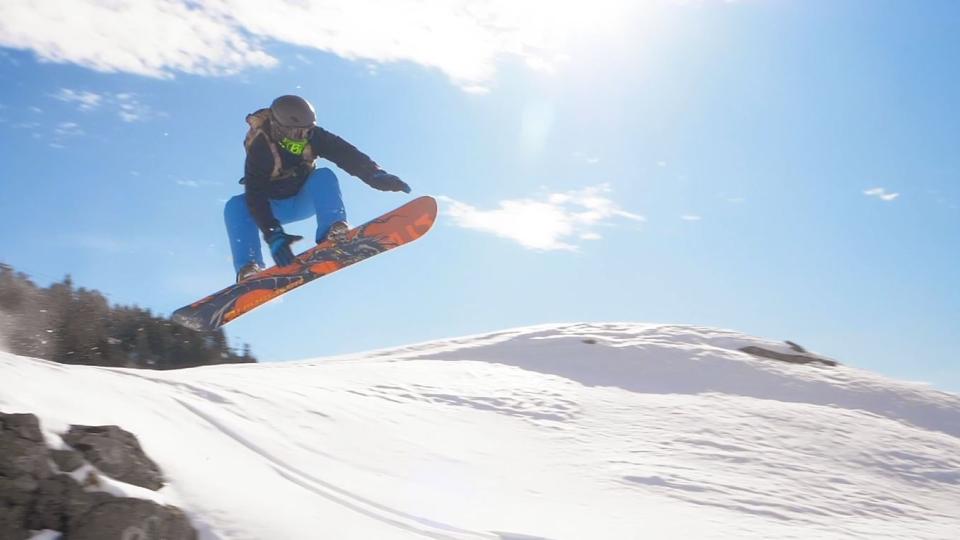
x: 72, y: 325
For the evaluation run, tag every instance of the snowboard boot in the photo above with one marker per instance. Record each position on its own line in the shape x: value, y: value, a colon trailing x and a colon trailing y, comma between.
x: 248, y: 271
x: 337, y: 233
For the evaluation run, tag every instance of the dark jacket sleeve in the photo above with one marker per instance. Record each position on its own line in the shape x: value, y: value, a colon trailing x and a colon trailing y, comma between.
x: 343, y: 154
x: 256, y: 180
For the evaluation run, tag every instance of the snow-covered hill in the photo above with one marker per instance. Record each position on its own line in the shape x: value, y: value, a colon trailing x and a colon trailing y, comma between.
x: 583, y: 431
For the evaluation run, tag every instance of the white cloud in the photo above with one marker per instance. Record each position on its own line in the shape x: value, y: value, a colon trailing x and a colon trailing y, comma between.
x: 85, y: 101
x: 127, y: 105
x: 548, y: 223
x: 462, y: 38
x: 147, y: 38
x: 690, y: 217
x: 881, y: 193
x: 130, y: 109
x: 67, y: 129
x: 191, y: 183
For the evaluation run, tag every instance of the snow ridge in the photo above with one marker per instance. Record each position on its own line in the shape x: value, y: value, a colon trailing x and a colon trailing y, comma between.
x: 616, y: 430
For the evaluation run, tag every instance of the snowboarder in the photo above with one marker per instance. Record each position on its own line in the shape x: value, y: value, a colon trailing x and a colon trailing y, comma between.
x: 282, y: 185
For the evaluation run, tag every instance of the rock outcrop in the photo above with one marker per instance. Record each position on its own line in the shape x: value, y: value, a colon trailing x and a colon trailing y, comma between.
x: 802, y: 356
x: 116, y: 453
x: 37, y: 494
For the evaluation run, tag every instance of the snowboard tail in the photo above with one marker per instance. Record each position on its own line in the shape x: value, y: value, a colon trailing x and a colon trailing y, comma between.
x: 391, y: 230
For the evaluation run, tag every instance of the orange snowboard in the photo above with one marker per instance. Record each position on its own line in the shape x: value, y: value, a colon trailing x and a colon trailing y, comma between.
x: 393, y: 229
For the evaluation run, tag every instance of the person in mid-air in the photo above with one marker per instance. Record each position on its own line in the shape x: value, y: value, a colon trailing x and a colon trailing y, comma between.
x: 282, y: 185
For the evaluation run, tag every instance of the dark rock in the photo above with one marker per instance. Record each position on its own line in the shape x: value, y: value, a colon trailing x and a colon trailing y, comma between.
x: 24, y: 426
x: 32, y: 497
x: 67, y: 460
x: 791, y: 358
x: 23, y: 465
x: 22, y: 449
x: 795, y: 346
x: 13, y: 523
x: 133, y: 519
x: 17, y: 490
x: 590, y: 341
x: 117, y: 453
x: 59, y: 501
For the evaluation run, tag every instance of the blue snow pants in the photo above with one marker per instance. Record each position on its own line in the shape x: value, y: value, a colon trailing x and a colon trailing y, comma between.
x: 320, y: 197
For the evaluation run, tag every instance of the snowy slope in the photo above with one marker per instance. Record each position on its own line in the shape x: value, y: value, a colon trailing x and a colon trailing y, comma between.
x: 561, y: 432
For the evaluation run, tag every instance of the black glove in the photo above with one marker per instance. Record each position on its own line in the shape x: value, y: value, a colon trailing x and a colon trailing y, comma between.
x: 385, y: 181
x: 279, y: 243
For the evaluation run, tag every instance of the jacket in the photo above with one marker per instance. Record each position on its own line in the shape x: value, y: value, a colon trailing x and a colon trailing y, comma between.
x: 271, y: 172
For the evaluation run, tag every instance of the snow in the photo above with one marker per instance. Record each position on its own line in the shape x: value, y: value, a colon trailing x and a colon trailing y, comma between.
x: 45, y: 534
x: 616, y: 430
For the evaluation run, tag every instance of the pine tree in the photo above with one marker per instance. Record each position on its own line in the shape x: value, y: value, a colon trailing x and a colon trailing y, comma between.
x: 78, y: 326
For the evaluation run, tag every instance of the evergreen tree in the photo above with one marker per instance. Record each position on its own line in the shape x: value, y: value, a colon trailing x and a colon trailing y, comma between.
x: 78, y: 326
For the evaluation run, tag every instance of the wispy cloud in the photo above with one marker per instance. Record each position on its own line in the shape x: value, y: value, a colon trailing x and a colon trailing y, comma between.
x: 126, y: 104
x: 464, y: 39
x: 130, y: 109
x: 881, y: 193
x: 61, y: 133
x: 550, y: 222
x: 691, y: 217
x: 192, y: 183
x: 186, y: 182
x: 67, y: 129
x: 55, y: 135
x: 85, y: 101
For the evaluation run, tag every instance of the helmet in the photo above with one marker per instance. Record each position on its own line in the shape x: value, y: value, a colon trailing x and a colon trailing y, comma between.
x: 293, y: 111
x: 293, y: 116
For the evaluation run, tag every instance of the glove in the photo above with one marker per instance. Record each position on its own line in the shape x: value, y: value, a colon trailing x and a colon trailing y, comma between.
x: 279, y: 243
x: 385, y: 181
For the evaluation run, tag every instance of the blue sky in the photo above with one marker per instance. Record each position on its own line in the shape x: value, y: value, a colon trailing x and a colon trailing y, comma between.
x: 787, y: 169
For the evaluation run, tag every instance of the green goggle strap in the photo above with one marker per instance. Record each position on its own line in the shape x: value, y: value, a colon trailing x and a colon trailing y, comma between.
x: 294, y: 146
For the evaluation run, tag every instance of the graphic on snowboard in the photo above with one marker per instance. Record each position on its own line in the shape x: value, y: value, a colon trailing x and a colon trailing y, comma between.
x: 393, y: 229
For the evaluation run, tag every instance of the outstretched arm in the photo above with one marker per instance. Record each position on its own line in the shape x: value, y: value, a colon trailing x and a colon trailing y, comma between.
x: 347, y: 157
x: 343, y: 154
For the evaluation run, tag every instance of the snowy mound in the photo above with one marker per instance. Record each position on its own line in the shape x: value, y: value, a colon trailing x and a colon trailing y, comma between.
x: 561, y: 431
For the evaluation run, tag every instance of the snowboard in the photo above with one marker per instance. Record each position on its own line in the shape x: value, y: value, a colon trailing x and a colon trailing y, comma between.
x: 393, y: 229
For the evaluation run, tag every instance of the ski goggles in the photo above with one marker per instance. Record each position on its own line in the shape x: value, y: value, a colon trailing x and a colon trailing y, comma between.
x: 294, y: 146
